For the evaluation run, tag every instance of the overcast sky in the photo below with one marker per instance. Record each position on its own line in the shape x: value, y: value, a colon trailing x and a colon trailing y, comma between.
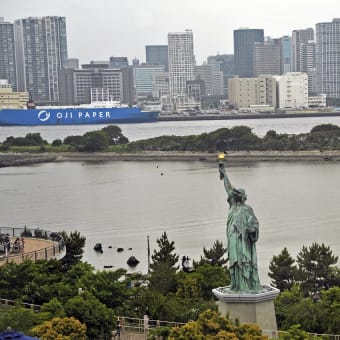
x: 98, y: 29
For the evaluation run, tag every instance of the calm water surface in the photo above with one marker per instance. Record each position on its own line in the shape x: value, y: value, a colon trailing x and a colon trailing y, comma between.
x: 120, y: 203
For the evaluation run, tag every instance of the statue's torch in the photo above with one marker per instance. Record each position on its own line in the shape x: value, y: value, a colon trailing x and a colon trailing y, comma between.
x: 221, y: 164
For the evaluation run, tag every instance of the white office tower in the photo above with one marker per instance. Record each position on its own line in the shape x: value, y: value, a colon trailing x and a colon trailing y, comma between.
x: 181, y: 61
x: 328, y: 57
x: 292, y: 90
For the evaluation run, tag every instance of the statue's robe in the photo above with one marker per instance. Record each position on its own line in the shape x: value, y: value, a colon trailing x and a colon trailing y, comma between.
x: 242, y: 234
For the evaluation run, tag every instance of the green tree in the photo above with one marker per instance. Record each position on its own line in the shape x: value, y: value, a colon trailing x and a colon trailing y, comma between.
x: 57, y: 142
x: 99, y: 319
x: 61, y: 329
x: 162, y: 278
x: 330, y: 304
x: 109, y: 287
x: 212, y: 326
x: 214, y: 255
x: 212, y: 277
x: 282, y: 270
x: 20, y: 319
x: 283, y: 304
x: 74, y: 141
x: 316, y: 268
x: 296, y: 333
x: 114, y: 135
x: 14, y: 279
x: 163, y: 266
x: 74, y: 244
x: 34, y: 139
x: 54, y: 307
x: 165, y: 252
x: 94, y: 141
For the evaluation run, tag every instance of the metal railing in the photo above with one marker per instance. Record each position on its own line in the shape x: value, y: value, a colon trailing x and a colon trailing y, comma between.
x: 56, y: 249
x: 276, y: 334
x: 5, y: 303
x: 142, y: 326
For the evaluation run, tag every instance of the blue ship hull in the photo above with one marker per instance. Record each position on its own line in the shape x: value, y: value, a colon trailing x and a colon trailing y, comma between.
x: 76, y: 116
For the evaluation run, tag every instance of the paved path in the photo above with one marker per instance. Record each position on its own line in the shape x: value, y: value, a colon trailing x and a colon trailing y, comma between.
x: 130, y: 336
x: 33, y: 244
x: 34, y: 249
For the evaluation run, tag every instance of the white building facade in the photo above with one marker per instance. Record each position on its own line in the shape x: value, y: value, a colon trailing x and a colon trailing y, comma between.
x: 292, y: 90
x: 181, y: 61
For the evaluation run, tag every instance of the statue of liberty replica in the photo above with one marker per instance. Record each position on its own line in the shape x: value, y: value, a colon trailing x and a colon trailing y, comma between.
x: 245, y: 298
x: 242, y: 234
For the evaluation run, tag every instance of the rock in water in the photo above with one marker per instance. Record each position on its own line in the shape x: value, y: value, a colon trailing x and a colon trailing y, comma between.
x: 132, y: 261
x: 98, y: 247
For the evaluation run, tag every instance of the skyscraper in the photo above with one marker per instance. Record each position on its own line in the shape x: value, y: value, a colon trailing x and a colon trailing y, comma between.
x: 286, y: 53
x: 267, y: 57
x: 7, y: 54
x: 244, y: 40
x: 119, y: 62
x: 328, y: 57
x: 299, y: 37
x: 157, y: 55
x: 181, y: 61
x: 224, y: 63
x: 41, y: 51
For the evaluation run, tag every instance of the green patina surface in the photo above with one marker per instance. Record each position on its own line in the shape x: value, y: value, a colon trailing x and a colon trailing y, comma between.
x: 242, y: 234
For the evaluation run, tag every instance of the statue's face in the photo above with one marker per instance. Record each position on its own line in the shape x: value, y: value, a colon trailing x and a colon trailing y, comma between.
x: 241, y: 193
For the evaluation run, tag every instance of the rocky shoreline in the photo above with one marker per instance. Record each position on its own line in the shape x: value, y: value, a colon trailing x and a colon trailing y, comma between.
x: 201, y: 156
x: 17, y: 159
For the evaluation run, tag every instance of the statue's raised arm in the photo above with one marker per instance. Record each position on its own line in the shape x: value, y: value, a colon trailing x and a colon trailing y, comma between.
x: 223, y: 175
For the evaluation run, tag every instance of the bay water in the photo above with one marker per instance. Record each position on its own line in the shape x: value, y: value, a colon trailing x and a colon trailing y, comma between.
x: 120, y: 204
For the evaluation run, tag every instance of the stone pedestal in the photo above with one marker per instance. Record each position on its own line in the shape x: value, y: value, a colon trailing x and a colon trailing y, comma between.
x: 257, y: 307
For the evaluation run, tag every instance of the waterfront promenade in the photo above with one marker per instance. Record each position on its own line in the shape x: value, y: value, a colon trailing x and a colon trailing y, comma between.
x: 35, y: 244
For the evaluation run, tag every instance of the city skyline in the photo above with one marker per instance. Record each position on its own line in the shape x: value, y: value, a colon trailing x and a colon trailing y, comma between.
x: 117, y: 28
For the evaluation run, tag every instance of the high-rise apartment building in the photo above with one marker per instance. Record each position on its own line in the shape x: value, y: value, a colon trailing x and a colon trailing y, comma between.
x: 41, y: 51
x: 157, y: 55
x: 7, y: 54
x: 181, y: 61
x: 328, y: 57
x: 267, y: 57
x: 244, y: 40
x: 299, y: 37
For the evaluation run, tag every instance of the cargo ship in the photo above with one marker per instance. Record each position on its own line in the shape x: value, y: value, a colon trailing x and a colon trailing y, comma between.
x: 78, y: 115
